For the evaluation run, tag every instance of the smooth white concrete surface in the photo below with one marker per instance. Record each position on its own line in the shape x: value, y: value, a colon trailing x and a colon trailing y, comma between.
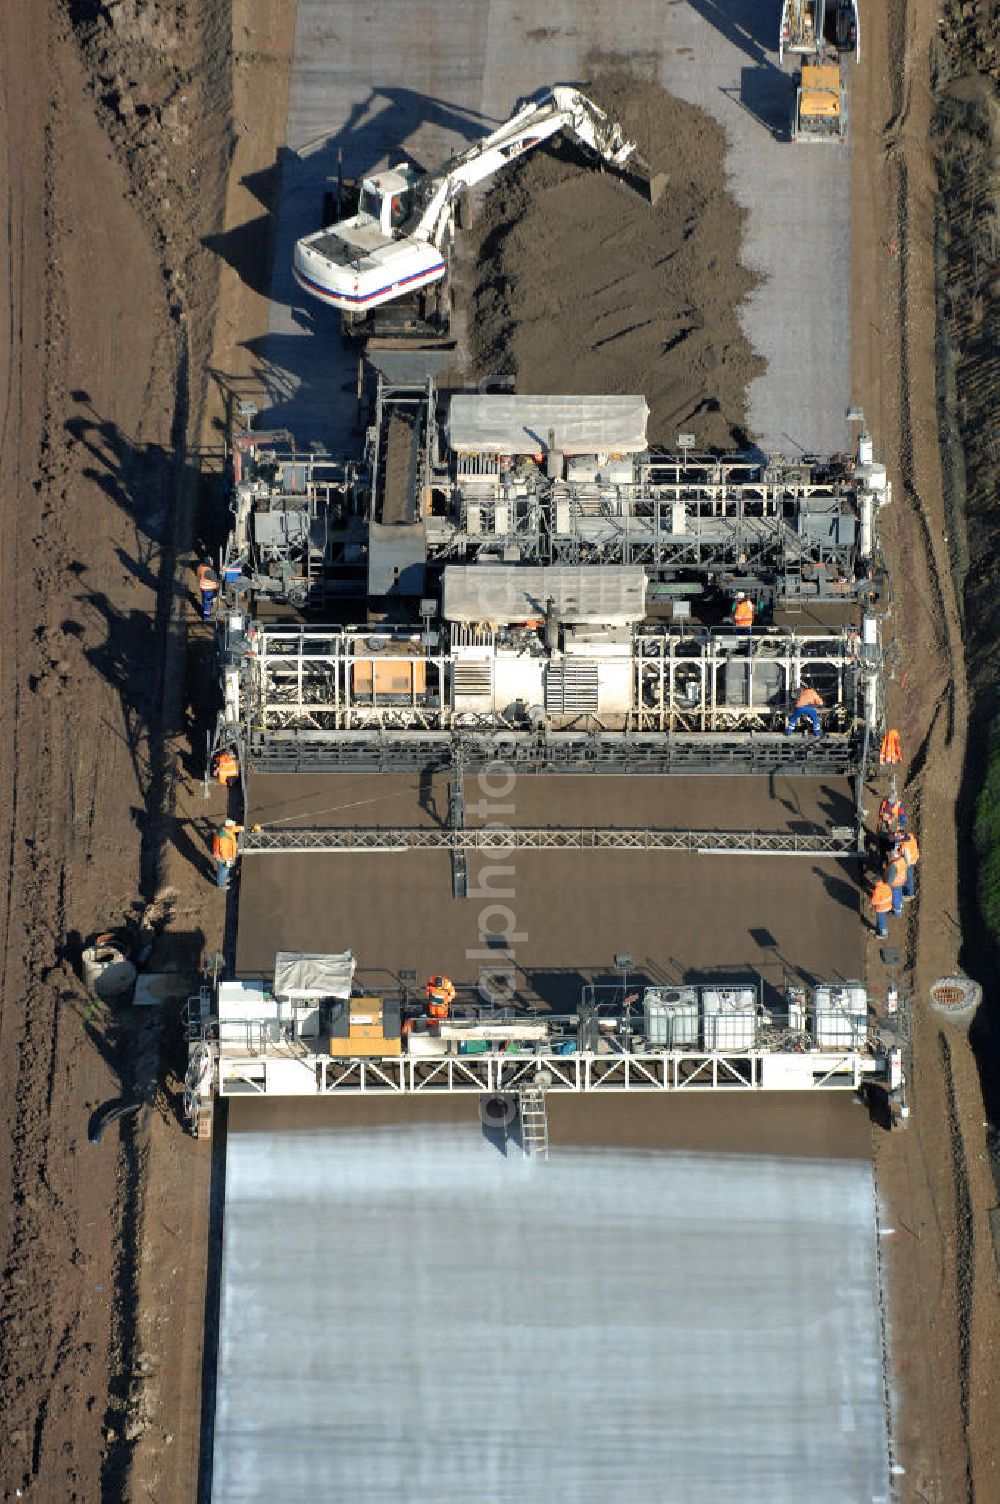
x: 407, y: 1314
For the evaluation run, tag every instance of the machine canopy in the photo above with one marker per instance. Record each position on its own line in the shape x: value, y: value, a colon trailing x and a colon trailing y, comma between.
x: 301, y: 975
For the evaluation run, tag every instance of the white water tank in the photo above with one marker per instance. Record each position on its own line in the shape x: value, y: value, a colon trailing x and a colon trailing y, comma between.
x: 841, y: 1016
x: 729, y: 1018
x: 671, y: 1015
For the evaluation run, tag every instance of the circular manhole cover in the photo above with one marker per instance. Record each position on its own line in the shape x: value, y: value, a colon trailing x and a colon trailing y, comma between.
x: 955, y: 995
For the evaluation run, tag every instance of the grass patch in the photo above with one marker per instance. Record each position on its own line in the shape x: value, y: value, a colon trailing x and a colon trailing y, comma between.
x: 988, y: 836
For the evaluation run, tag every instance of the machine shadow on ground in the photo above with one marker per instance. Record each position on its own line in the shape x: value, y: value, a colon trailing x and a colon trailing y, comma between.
x: 143, y: 480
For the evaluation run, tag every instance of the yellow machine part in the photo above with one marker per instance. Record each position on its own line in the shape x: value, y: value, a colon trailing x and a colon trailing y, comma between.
x: 388, y: 677
x: 365, y: 1036
x: 820, y: 89
x: 347, y: 1049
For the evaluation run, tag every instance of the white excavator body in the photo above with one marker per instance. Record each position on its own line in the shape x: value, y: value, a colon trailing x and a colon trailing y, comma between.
x: 395, y: 243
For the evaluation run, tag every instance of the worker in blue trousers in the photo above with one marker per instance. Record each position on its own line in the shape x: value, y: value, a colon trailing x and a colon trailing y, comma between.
x: 225, y: 849
x: 895, y: 876
x: 208, y: 584
x: 881, y: 902
x: 807, y: 708
x: 911, y: 855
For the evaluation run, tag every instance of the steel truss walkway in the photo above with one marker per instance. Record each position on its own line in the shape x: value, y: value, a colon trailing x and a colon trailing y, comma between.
x: 753, y: 753
x: 758, y: 1069
x: 839, y: 842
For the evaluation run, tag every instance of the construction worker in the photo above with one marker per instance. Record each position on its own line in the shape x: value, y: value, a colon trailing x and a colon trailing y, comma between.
x: 891, y: 751
x: 225, y: 849
x: 440, y: 996
x: 807, y: 707
x: 226, y: 768
x: 743, y: 614
x: 881, y: 902
x: 208, y: 584
x: 891, y: 816
x: 911, y: 856
x: 895, y: 876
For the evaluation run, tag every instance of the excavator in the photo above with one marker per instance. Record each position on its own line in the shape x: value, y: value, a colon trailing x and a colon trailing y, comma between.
x: 397, y: 244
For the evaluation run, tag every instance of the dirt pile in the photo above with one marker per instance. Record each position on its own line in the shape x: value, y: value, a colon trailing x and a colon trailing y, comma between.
x: 161, y: 84
x: 581, y: 287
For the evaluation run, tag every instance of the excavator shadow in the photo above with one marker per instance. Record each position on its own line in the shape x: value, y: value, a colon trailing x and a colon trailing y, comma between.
x: 767, y: 95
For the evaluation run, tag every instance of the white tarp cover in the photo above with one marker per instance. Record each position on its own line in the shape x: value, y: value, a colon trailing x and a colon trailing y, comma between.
x: 597, y: 594
x: 407, y: 1314
x: 521, y: 425
x: 299, y: 974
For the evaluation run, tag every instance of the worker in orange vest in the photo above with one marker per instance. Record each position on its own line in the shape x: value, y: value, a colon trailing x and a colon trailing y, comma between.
x: 226, y: 768
x: 891, y: 822
x: 895, y: 876
x: 807, y: 707
x: 891, y: 816
x: 911, y: 856
x: 440, y: 996
x: 890, y: 751
x: 743, y: 614
x: 881, y: 902
x: 208, y: 584
x: 225, y: 849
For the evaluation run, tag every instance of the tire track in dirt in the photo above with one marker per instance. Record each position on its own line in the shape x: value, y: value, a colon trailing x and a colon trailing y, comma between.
x: 964, y: 1257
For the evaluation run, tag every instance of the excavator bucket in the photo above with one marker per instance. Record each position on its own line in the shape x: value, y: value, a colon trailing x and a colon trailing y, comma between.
x: 640, y: 178
x: 658, y: 184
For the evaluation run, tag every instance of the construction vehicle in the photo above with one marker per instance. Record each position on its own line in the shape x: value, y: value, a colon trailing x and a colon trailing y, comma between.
x: 809, y: 25
x: 820, y: 110
x: 397, y: 245
x: 311, y: 1033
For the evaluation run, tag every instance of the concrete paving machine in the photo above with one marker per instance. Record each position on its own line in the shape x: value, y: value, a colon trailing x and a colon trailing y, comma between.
x: 397, y: 244
x: 820, y: 110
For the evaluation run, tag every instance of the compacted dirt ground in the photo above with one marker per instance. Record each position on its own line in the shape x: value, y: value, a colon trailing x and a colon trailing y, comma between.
x: 114, y: 183
x: 99, y: 361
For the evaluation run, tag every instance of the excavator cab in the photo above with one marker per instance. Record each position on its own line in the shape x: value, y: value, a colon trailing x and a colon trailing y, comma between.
x: 387, y: 198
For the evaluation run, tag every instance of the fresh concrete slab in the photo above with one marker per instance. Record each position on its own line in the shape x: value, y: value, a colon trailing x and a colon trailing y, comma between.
x: 410, y: 1313
x: 683, y: 917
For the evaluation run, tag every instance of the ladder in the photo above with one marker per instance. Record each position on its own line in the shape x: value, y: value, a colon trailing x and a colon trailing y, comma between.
x: 456, y: 826
x: 534, y: 1122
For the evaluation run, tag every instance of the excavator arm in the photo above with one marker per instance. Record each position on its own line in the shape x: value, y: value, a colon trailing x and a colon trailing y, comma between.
x: 394, y: 246
x: 536, y: 120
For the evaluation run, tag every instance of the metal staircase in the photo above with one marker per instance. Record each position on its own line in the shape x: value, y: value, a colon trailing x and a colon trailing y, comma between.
x: 534, y: 1122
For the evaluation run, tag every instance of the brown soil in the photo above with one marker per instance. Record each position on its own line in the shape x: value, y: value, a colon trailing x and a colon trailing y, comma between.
x: 398, y: 464
x: 659, y: 287
x: 935, y: 1175
x: 98, y: 375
